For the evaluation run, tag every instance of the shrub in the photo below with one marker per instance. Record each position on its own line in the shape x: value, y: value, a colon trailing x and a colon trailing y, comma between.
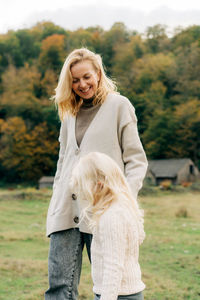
x: 186, y: 183
x: 182, y: 213
x: 166, y: 185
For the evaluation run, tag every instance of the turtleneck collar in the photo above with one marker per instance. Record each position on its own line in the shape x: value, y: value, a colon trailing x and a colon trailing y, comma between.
x: 87, y: 103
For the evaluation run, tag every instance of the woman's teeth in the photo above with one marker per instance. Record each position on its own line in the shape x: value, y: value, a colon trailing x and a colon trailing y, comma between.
x: 85, y: 91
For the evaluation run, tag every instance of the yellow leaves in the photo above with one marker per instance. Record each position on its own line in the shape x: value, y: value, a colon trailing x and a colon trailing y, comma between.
x: 158, y: 88
x: 49, y: 83
x: 14, y: 126
x: 154, y: 65
x: 19, y: 85
x: 27, y: 153
x: 55, y: 40
x: 20, y: 79
x: 189, y: 110
x: 52, y: 54
x: 1, y: 125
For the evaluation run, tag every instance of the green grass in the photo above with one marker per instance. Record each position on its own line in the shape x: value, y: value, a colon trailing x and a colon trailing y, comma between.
x: 169, y: 257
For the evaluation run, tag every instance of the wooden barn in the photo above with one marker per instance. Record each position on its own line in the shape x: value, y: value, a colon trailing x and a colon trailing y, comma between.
x: 178, y: 170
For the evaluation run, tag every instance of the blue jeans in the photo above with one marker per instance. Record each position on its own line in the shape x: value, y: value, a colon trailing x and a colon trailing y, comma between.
x: 64, y: 264
x: 137, y: 296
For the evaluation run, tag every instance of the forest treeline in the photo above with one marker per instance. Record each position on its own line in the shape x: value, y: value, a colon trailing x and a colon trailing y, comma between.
x: 159, y: 74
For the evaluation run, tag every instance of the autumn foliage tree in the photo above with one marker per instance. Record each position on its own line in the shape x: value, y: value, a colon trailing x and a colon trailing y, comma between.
x: 159, y: 74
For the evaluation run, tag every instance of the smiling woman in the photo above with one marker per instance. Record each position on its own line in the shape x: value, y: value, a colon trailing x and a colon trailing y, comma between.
x: 85, y: 79
x: 94, y: 117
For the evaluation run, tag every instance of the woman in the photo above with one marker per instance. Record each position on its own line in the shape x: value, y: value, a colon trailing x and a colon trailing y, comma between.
x: 94, y: 117
x: 117, y: 226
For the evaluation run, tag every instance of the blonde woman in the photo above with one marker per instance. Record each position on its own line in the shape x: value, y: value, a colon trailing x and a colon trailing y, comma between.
x: 94, y: 117
x: 117, y: 224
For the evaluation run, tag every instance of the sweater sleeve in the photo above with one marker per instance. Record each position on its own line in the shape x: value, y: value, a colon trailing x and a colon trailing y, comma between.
x: 113, y: 237
x: 135, y: 161
x: 63, y: 141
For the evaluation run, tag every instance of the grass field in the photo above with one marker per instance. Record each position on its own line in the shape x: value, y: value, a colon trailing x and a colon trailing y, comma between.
x: 169, y: 257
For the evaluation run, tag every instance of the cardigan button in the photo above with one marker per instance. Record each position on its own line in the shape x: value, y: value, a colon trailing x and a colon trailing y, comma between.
x: 77, y: 151
x: 76, y: 220
x: 74, y: 197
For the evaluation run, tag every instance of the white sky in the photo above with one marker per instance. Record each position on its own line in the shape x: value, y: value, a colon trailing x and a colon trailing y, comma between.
x: 16, y: 14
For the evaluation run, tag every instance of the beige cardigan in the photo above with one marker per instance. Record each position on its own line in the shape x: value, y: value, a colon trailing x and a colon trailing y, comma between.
x: 113, y: 131
x: 115, y: 253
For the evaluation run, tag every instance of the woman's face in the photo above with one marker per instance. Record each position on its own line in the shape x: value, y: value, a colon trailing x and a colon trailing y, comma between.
x: 85, y: 79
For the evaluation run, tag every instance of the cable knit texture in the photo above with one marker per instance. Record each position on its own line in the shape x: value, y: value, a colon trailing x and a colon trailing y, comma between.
x: 115, y: 253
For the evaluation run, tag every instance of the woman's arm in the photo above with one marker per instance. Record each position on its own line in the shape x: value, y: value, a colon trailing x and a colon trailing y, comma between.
x: 113, y: 236
x: 135, y: 161
x: 63, y: 141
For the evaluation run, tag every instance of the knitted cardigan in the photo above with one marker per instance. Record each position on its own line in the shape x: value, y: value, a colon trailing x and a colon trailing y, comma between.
x: 115, y: 254
x: 113, y: 131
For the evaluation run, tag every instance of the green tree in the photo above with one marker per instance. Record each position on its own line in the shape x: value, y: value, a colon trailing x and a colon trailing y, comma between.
x: 157, y: 39
x: 19, y: 93
x: 52, y: 54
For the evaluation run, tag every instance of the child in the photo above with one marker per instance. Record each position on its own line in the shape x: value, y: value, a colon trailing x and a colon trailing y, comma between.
x: 117, y: 227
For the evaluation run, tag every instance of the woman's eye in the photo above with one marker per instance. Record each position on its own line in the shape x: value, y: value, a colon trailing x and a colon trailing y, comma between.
x: 75, y: 81
x: 87, y: 77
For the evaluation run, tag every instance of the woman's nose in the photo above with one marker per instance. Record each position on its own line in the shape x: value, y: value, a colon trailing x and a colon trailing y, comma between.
x: 82, y: 83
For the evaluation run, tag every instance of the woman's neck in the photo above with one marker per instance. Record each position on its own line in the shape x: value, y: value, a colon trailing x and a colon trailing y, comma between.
x: 88, y: 102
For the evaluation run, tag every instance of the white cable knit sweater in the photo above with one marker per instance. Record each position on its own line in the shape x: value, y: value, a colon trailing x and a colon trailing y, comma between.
x: 115, y: 253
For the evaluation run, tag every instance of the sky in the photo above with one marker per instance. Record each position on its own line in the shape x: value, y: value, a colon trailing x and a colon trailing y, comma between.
x: 136, y: 15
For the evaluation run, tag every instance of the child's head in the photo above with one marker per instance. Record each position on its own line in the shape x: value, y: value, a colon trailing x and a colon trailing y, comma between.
x: 98, y: 179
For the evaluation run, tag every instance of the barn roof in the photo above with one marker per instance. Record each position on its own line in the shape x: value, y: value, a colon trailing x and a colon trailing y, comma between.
x: 167, y: 167
x: 47, y: 179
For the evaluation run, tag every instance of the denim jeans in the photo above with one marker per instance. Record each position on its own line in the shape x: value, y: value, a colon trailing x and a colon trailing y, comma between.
x: 65, y: 261
x: 137, y: 296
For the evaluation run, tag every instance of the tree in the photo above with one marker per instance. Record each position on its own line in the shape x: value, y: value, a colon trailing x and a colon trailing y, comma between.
x: 157, y: 39
x: 52, y: 54
x: 10, y: 51
x: 188, y: 130
x: 44, y: 29
x: 26, y: 156
x: 19, y: 93
x: 185, y: 37
x: 159, y: 136
x: 117, y: 35
x: 124, y: 59
x: 29, y: 46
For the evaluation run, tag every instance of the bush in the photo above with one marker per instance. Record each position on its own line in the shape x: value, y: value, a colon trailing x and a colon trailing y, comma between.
x: 166, y: 185
x: 182, y: 213
x: 186, y: 183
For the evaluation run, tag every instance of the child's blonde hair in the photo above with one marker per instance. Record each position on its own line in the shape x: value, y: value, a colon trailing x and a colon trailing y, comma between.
x: 65, y: 97
x: 98, y: 179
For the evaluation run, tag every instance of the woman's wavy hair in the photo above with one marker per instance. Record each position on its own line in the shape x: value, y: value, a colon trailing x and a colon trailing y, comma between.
x: 98, y: 180
x: 65, y: 98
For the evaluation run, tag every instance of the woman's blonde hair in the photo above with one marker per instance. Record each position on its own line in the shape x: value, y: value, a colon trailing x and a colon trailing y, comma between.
x: 98, y: 179
x: 65, y: 97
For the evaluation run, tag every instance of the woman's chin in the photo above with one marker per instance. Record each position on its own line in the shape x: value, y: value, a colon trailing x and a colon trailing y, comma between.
x: 87, y: 97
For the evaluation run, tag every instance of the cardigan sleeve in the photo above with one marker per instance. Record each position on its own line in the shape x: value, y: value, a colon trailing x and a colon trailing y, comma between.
x: 113, y: 236
x: 135, y: 161
x: 62, y: 141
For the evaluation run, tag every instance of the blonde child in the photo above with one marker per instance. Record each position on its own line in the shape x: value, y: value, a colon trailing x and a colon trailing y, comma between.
x: 116, y: 223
